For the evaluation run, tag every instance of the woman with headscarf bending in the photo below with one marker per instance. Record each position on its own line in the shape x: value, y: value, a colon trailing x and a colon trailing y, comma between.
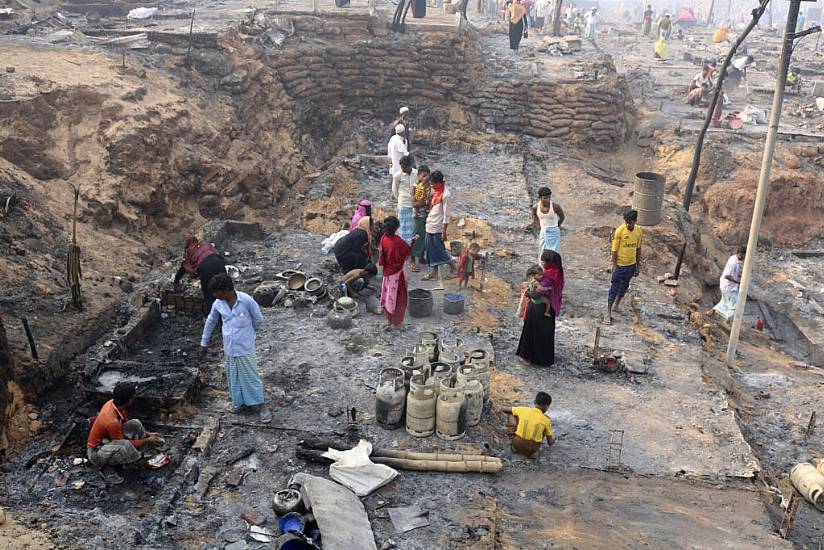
x: 364, y: 209
x: 537, y: 344
x: 201, y: 260
x: 353, y: 251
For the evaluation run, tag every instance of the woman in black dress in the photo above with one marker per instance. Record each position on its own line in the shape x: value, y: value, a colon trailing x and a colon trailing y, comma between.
x: 537, y: 343
x: 353, y: 251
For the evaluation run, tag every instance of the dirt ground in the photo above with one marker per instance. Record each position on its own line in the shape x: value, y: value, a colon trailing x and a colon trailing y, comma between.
x: 706, y: 449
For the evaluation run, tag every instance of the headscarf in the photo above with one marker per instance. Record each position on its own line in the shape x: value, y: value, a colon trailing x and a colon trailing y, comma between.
x: 360, y: 212
x: 556, y: 293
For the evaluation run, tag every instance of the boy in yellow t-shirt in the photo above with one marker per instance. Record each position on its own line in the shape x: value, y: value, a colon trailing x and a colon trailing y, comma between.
x: 626, y: 258
x: 532, y: 425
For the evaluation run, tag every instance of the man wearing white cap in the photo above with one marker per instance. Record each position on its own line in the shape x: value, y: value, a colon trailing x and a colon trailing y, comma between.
x: 397, y: 148
x: 405, y: 119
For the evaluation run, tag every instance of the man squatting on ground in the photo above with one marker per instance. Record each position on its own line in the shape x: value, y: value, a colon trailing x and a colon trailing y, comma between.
x: 115, y: 440
x: 532, y: 427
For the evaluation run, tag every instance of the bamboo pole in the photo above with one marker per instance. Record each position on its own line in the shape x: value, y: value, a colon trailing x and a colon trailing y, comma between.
x: 446, y: 457
x: 764, y: 178
x: 466, y: 466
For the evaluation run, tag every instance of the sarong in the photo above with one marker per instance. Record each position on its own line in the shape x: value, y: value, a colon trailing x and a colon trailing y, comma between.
x: 516, y: 32
x: 394, y: 297
x: 726, y: 307
x: 436, y: 253
x: 621, y: 278
x: 243, y: 379
x: 549, y: 239
x: 407, y: 229
x: 419, y: 246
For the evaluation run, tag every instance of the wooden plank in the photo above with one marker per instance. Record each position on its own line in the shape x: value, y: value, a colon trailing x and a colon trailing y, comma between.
x: 807, y: 253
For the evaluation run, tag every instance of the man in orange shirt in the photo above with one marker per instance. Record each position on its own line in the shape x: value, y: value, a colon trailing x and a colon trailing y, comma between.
x: 114, y: 439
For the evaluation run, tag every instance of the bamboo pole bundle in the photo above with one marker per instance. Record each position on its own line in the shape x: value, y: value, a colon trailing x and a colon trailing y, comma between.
x: 447, y: 457
x: 465, y: 466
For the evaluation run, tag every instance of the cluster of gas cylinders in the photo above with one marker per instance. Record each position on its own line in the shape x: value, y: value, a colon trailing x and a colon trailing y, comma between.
x: 439, y: 387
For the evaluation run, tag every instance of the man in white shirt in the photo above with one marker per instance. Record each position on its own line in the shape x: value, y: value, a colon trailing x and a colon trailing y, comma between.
x: 402, y: 184
x: 436, y: 223
x: 738, y: 70
x: 729, y: 284
x: 396, y: 149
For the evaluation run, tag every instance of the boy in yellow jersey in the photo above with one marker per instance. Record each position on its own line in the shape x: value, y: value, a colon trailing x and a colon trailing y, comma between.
x: 626, y: 260
x: 532, y: 426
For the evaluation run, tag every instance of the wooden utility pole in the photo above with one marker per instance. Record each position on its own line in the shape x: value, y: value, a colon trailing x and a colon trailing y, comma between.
x: 764, y: 178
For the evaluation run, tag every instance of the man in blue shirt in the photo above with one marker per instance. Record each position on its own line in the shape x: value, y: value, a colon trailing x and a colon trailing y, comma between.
x: 241, y: 318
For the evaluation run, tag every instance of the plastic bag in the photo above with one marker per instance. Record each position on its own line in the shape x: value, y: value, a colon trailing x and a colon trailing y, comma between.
x: 329, y: 242
x: 354, y: 470
x: 661, y: 48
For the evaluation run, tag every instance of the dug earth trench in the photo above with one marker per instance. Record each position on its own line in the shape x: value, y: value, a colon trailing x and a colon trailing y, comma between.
x: 288, y: 137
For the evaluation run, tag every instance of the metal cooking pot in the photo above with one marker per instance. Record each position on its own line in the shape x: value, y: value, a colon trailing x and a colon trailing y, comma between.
x: 296, y: 281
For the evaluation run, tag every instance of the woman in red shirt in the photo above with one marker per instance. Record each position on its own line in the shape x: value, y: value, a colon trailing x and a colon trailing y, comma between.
x: 393, y: 254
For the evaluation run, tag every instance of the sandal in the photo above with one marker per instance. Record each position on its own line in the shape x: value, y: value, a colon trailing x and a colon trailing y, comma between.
x: 429, y: 278
x: 414, y: 269
x: 111, y: 476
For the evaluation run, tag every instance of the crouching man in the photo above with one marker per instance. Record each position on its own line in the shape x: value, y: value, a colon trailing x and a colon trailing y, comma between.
x: 115, y: 440
x: 527, y: 427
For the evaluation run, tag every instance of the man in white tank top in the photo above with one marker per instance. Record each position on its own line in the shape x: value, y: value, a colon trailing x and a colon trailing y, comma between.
x: 548, y: 217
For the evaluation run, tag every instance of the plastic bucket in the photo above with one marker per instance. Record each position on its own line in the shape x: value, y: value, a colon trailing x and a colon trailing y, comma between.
x: 420, y: 302
x: 453, y: 303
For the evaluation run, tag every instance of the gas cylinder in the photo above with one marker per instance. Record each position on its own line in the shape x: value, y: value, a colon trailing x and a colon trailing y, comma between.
x: 390, y: 398
x: 430, y: 340
x: 420, y: 407
x: 452, y: 345
x: 421, y: 354
x: 473, y: 394
x: 809, y: 482
x: 451, y: 359
x: 479, y: 359
x: 439, y: 372
x: 408, y: 366
x: 450, y: 423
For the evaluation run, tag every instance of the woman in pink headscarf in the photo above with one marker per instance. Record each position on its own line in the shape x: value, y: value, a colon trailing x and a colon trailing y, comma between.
x: 364, y: 210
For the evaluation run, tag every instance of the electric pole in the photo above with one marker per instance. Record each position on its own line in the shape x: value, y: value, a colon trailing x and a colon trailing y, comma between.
x: 764, y: 178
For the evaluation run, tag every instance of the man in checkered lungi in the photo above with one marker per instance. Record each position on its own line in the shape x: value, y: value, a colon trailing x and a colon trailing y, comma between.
x: 241, y: 317
x: 402, y: 184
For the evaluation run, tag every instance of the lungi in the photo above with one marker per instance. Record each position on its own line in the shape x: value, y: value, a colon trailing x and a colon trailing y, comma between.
x: 407, y: 229
x: 436, y: 253
x: 621, y: 278
x: 549, y: 239
x: 243, y: 380
x: 726, y: 307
